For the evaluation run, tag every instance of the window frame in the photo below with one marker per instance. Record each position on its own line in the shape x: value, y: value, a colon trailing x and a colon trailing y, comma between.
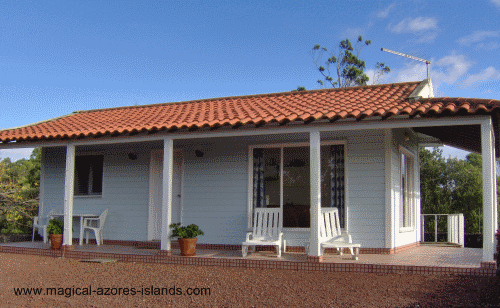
x: 88, y: 194
x: 292, y: 144
x: 407, y: 224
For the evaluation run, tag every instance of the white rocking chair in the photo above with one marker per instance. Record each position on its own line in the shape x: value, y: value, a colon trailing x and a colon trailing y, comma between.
x: 331, y: 235
x: 266, y: 231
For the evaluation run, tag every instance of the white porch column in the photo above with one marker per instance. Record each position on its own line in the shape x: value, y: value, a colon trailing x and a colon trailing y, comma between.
x: 495, y: 187
x: 315, y: 178
x: 390, y: 216
x: 168, y: 157
x: 489, y: 191
x: 69, y: 183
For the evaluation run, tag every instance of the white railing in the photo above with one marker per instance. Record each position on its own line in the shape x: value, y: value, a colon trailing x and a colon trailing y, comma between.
x: 456, y: 234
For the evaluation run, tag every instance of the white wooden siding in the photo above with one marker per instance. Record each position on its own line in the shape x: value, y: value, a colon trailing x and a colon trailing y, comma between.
x: 215, y: 188
x: 125, y: 190
x: 219, y: 191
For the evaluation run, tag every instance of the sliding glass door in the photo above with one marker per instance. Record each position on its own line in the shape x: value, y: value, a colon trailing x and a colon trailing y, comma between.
x: 281, y: 178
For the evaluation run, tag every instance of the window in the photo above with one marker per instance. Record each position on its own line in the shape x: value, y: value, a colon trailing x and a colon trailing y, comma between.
x: 281, y: 178
x: 407, y: 191
x: 88, y: 175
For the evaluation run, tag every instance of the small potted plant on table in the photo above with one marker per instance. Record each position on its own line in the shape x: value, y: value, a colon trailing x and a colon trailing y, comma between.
x: 186, y: 236
x: 55, y: 230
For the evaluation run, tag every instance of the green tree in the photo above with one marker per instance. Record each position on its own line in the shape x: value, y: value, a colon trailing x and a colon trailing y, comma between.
x: 435, y: 189
x: 344, y: 68
x: 451, y: 186
x: 19, y: 188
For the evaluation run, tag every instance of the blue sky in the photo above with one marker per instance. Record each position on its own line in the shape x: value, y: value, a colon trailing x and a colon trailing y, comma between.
x: 57, y: 57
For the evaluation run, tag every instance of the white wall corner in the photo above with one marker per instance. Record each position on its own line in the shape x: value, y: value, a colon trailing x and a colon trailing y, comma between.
x: 423, y: 90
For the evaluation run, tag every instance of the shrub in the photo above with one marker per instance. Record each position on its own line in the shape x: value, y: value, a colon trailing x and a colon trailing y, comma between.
x: 190, y: 231
x: 55, y: 226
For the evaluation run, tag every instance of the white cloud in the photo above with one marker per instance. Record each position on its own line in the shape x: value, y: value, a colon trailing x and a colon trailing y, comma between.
x: 488, y: 46
x: 425, y: 28
x: 496, y: 2
x: 447, y: 70
x: 450, y: 68
x: 354, y: 33
x: 412, y: 71
x: 385, y: 13
x: 415, y: 25
x: 477, y: 36
x: 428, y: 37
x: 488, y: 74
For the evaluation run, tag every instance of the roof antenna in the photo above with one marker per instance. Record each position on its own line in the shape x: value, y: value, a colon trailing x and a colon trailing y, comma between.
x: 427, y: 62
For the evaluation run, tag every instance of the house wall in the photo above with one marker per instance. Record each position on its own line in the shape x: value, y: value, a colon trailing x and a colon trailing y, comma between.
x: 404, y: 237
x: 215, y: 187
x: 126, y: 196
x: 53, y: 180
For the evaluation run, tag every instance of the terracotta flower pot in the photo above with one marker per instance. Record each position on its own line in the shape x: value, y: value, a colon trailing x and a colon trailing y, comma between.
x: 55, y: 241
x: 188, y: 246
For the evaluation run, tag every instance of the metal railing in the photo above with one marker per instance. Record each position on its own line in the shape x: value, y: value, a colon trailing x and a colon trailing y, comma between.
x: 456, y: 228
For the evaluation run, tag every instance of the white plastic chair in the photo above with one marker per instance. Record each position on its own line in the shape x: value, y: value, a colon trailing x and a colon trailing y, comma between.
x: 331, y: 235
x: 41, y: 229
x: 267, y: 230
x: 97, y: 229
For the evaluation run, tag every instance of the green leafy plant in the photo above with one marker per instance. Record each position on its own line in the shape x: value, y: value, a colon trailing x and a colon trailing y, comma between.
x: 55, y: 226
x: 190, y: 231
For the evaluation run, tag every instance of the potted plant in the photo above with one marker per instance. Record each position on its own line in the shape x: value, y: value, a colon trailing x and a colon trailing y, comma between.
x: 186, y: 236
x: 55, y: 230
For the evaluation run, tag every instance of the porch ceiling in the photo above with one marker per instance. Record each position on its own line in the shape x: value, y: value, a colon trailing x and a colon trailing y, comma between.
x: 465, y: 137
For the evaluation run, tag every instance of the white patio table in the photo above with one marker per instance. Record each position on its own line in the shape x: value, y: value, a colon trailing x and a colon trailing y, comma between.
x: 76, y: 215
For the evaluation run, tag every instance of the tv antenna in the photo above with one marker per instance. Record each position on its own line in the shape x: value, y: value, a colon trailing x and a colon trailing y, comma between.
x: 427, y: 62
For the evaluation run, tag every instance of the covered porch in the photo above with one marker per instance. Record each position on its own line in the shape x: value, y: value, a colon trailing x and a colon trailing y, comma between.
x: 390, y: 133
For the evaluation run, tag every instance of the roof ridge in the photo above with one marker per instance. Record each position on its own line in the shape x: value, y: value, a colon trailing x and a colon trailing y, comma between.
x: 293, y: 92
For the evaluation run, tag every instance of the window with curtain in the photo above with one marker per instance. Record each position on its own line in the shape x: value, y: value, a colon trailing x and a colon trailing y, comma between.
x: 281, y: 178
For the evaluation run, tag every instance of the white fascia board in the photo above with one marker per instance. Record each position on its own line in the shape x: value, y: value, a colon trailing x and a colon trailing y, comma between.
x: 401, y: 122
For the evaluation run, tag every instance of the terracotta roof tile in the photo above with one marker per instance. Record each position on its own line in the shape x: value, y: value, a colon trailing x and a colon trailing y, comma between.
x: 332, y: 104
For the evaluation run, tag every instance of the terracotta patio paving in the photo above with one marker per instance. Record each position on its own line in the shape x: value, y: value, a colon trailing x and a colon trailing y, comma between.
x: 424, y: 255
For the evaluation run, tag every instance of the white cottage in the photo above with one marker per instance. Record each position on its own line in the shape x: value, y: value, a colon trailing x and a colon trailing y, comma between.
x: 211, y: 162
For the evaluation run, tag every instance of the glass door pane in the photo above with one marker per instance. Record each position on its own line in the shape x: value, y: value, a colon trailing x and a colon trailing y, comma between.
x: 296, y: 188
x: 266, y: 177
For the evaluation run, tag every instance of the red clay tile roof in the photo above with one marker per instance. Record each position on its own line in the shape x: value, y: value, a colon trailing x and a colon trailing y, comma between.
x: 305, y: 106
x: 453, y: 105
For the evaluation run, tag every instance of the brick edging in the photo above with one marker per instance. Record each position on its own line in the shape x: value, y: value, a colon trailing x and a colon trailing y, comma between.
x: 260, y: 264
